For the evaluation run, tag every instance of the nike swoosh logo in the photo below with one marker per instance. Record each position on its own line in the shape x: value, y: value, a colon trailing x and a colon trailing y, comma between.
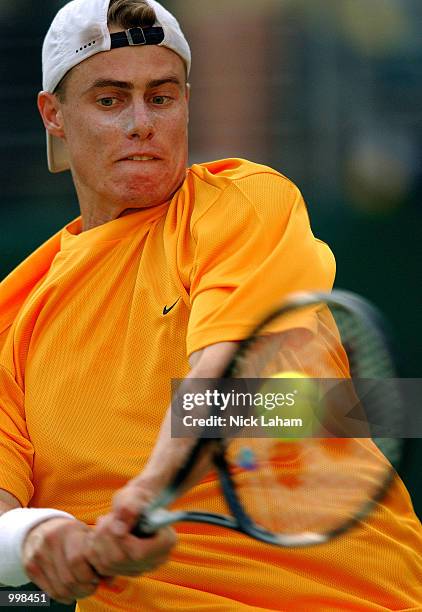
x: 167, y: 310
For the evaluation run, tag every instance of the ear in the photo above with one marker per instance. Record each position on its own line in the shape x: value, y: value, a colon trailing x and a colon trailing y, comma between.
x: 51, y: 113
x: 187, y: 96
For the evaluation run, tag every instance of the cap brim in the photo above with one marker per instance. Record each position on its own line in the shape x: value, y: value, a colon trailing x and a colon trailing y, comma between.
x: 57, y: 154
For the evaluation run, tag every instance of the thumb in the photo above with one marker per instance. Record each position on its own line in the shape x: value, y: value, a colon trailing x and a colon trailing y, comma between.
x: 129, y: 503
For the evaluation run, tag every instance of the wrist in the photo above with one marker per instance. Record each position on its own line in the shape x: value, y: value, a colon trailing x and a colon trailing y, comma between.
x: 14, y: 527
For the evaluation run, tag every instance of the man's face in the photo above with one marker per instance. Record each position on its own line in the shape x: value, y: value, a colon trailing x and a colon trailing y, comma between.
x: 124, y: 118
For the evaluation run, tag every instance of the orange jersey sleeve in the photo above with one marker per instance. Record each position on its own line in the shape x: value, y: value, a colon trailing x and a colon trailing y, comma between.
x: 253, y: 246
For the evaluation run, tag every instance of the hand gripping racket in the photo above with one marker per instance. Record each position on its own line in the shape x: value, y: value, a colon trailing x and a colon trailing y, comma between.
x: 292, y: 486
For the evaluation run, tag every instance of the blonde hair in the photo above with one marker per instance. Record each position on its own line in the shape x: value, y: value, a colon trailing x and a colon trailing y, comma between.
x: 130, y: 14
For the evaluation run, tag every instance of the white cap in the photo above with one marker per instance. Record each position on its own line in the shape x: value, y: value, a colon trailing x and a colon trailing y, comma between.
x: 79, y: 31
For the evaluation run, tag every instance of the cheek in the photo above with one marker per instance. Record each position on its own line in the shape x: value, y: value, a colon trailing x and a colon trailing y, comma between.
x: 177, y: 133
x: 87, y: 133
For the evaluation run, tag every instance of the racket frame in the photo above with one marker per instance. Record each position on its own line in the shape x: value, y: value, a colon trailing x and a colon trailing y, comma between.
x: 157, y: 516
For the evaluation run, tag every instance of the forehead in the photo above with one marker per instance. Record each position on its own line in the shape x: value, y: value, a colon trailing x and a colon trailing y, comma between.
x: 137, y: 65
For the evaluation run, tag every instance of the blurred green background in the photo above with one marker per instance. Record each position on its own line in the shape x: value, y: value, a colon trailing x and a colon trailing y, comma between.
x: 329, y: 92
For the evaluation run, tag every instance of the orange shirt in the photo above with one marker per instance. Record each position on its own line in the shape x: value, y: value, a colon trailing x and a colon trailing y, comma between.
x: 90, y: 345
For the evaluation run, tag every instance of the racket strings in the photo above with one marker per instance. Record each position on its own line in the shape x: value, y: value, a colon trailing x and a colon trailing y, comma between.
x: 363, y: 344
x: 315, y: 493
x: 316, y: 485
x: 369, y: 358
x: 262, y: 355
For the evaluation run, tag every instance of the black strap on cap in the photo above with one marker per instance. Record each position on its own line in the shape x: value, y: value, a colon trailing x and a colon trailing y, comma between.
x: 137, y: 36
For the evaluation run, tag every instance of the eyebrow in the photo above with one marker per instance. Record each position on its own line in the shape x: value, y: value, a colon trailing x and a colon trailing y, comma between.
x: 128, y: 86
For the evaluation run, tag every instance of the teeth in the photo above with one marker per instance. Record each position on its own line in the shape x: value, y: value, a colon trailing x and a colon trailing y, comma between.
x: 140, y: 158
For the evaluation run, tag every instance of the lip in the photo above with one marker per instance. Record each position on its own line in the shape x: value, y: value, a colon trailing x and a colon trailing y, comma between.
x: 154, y: 156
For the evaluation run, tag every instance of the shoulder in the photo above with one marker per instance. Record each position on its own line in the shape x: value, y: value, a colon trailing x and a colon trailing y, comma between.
x: 240, y: 186
x: 222, y: 173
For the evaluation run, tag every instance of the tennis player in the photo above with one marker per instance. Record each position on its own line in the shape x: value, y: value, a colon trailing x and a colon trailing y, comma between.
x: 165, y: 269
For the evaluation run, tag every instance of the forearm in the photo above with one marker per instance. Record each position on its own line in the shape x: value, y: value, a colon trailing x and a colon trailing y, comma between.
x: 169, y: 454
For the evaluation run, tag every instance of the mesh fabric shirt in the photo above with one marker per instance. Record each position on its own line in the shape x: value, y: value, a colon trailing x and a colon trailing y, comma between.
x: 94, y: 326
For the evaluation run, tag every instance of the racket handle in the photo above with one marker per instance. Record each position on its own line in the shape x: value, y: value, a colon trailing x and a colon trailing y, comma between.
x: 152, y: 521
x: 143, y: 529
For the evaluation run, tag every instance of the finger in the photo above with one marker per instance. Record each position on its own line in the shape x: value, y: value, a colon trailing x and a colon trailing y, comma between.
x: 129, y: 502
x: 128, y: 555
x: 66, y: 554
x: 109, y: 525
x: 70, y: 585
x: 105, y: 554
x: 156, y: 547
x: 45, y: 554
x: 44, y: 577
x: 39, y: 565
x: 145, y: 555
x: 77, y: 562
x: 117, y: 558
x: 54, y: 563
x: 37, y: 576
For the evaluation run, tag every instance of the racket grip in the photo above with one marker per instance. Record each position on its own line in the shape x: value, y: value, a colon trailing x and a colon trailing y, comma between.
x: 143, y: 529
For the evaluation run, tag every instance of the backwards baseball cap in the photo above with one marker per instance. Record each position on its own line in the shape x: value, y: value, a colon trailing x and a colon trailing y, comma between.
x: 79, y: 31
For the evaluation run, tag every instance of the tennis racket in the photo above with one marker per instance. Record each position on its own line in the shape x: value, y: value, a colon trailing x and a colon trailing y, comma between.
x: 289, y: 488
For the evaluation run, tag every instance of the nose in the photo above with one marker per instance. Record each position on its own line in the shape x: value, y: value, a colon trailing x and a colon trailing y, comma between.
x: 140, y: 121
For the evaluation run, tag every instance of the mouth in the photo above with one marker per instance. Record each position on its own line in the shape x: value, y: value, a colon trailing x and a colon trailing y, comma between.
x: 140, y: 158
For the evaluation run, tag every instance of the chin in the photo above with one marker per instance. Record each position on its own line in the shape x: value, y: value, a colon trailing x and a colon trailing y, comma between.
x: 142, y: 188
